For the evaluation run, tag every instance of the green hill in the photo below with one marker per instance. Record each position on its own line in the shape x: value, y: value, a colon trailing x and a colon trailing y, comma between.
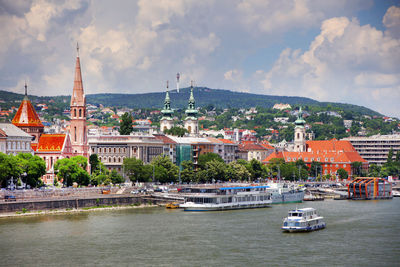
x: 204, y: 97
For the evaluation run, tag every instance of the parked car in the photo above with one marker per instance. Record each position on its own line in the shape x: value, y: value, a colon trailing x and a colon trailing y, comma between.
x: 10, y: 198
x: 135, y: 192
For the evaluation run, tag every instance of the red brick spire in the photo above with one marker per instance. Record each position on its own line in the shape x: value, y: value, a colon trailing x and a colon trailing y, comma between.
x: 78, y: 96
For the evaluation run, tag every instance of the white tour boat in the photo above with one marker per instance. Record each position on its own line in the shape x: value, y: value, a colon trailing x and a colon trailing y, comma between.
x: 226, y: 198
x: 302, y: 220
x: 286, y: 193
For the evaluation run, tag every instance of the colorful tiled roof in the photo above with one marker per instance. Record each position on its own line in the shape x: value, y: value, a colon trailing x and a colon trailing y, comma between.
x: 247, y: 146
x: 26, y: 115
x: 51, y: 142
x: 226, y: 141
x: 331, y: 145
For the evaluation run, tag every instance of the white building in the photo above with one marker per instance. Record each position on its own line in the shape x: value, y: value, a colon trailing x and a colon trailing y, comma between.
x: 17, y: 140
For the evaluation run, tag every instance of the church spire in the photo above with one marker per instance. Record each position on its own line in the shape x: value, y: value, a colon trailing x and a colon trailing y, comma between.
x: 26, y: 92
x: 167, y: 112
x: 78, y: 96
x: 191, y: 110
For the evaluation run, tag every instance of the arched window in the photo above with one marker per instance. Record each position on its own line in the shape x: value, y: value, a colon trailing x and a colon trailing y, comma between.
x: 190, y: 129
x: 80, y: 113
x: 75, y: 131
x: 75, y: 112
x: 115, y: 159
x: 298, y: 136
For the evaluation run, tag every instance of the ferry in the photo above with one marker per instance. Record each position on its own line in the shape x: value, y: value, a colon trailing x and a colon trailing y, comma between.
x: 303, y: 220
x: 226, y: 198
x: 285, y: 193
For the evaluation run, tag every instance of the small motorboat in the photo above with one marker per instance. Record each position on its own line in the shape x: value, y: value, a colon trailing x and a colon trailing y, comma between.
x: 303, y: 220
x: 172, y: 205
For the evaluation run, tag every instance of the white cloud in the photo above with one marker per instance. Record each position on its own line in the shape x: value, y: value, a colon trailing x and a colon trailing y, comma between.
x: 346, y: 62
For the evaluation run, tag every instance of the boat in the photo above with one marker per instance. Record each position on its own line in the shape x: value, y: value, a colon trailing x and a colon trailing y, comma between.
x: 285, y: 193
x: 303, y: 220
x: 395, y: 193
x: 311, y: 197
x: 226, y: 198
x: 172, y: 205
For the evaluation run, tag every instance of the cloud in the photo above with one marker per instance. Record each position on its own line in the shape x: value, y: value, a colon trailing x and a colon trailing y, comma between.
x: 346, y: 62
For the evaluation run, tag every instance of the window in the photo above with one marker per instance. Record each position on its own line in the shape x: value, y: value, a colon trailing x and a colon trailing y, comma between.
x: 332, y: 159
x: 298, y: 135
x: 326, y: 159
x: 344, y: 165
x: 80, y: 112
x: 75, y: 112
x: 306, y: 159
x: 75, y: 130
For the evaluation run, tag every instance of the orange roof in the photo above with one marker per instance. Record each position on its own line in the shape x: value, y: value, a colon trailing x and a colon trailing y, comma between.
x: 226, y: 141
x: 267, y: 145
x: 51, y: 142
x: 251, y: 146
x: 2, y: 133
x: 331, y: 145
x: 26, y: 115
x: 320, y: 156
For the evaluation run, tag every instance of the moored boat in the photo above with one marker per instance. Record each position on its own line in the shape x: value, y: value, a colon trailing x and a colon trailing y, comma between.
x: 172, y: 205
x: 226, y: 198
x: 303, y: 220
x: 285, y: 193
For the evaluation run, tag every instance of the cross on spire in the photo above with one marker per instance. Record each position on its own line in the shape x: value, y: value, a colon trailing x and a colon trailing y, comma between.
x: 77, y: 48
x: 26, y: 89
x: 167, y: 85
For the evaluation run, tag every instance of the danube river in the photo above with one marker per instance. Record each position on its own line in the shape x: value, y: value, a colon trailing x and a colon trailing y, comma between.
x: 358, y: 233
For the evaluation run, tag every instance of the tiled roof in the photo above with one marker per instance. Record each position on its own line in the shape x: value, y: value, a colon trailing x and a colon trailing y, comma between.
x: 330, y: 145
x: 51, y: 142
x: 2, y: 133
x: 251, y: 146
x: 320, y: 156
x: 164, y: 138
x: 226, y: 141
x: 26, y: 115
x: 12, y: 130
x: 267, y: 146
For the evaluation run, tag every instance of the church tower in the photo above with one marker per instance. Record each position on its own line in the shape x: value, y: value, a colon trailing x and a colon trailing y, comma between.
x: 300, y: 133
x: 78, y: 128
x: 190, y: 123
x: 27, y: 119
x: 166, y: 121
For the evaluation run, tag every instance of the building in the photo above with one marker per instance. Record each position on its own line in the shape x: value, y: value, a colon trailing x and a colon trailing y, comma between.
x: 13, y: 140
x: 299, y: 133
x: 332, y: 154
x: 249, y: 150
x: 375, y: 149
x: 191, y: 123
x: 78, y: 128
x: 113, y: 149
x: 27, y: 118
x: 169, y: 147
x: 166, y: 121
x: 230, y: 150
x: 281, y: 106
x: 52, y: 147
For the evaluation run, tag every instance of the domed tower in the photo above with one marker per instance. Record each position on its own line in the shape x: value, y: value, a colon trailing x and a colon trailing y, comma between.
x: 166, y: 121
x: 300, y: 133
x: 78, y: 128
x: 27, y: 118
x: 190, y: 123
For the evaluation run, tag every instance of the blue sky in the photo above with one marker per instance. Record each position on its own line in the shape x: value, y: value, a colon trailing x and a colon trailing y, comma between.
x: 341, y: 51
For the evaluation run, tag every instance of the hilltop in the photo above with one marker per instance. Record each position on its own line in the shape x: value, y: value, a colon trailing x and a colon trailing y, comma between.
x: 204, y: 96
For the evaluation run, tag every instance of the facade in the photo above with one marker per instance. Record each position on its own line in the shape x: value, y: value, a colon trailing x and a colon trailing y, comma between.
x: 249, y: 150
x: 332, y: 154
x: 230, y: 150
x: 191, y: 123
x: 112, y: 150
x: 27, y: 119
x: 169, y: 147
x: 13, y: 140
x: 52, y: 147
x: 78, y: 127
x: 375, y: 149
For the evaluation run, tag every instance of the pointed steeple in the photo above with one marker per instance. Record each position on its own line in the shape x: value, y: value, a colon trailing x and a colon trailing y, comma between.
x: 167, y: 112
x: 26, y: 115
x: 191, y: 110
x: 26, y: 92
x: 300, y: 121
x: 78, y: 96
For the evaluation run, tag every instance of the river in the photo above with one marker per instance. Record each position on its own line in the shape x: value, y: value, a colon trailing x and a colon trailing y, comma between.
x: 358, y: 233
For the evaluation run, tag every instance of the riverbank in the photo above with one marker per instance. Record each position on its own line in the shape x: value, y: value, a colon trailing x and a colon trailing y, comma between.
x: 25, y: 213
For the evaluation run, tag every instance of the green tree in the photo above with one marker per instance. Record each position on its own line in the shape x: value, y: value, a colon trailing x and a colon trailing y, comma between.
x: 356, y: 167
x: 126, y: 124
x: 237, y: 172
x: 33, y: 167
x: 176, y: 131
x: 187, y: 173
x: 315, y: 169
x: 94, y: 163
x: 342, y: 173
x: 255, y: 169
x: 390, y: 156
x: 116, y: 178
x: 72, y: 170
x: 165, y: 170
x: 204, y: 158
x: 135, y: 170
x: 9, y: 168
x: 215, y: 170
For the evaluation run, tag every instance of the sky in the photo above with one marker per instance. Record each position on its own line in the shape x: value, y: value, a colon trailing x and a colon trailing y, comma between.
x: 331, y: 50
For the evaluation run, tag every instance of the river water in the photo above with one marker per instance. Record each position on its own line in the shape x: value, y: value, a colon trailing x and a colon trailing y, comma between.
x: 358, y: 233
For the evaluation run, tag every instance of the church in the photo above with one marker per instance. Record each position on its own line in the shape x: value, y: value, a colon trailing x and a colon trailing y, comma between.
x: 52, y: 147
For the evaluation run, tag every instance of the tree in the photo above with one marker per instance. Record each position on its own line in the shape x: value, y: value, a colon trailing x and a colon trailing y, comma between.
x: 342, y: 173
x: 187, y: 173
x: 165, y: 170
x: 315, y: 169
x: 215, y: 170
x: 116, y: 178
x: 72, y: 170
x: 176, y: 131
x: 33, y: 167
x: 356, y: 167
x: 126, y: 124
x: 237, y: 172
x: 94, y: 162
x: 204, y: 158
x: 255, y: 169
x: 390, y: 156
x: 135, y: 170
x: 9, y: 168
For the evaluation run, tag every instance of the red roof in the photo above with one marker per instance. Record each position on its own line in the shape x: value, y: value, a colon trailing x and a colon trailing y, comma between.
x: 164, y: 138
x: 26, y: 115
x: 51, y: 142
x: 330, y: 145
x: 248, y: 145
x: 267, y: 145
x: 226, y: 141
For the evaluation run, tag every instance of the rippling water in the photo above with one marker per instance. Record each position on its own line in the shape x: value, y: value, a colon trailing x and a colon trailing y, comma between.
x: 358, y: 233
